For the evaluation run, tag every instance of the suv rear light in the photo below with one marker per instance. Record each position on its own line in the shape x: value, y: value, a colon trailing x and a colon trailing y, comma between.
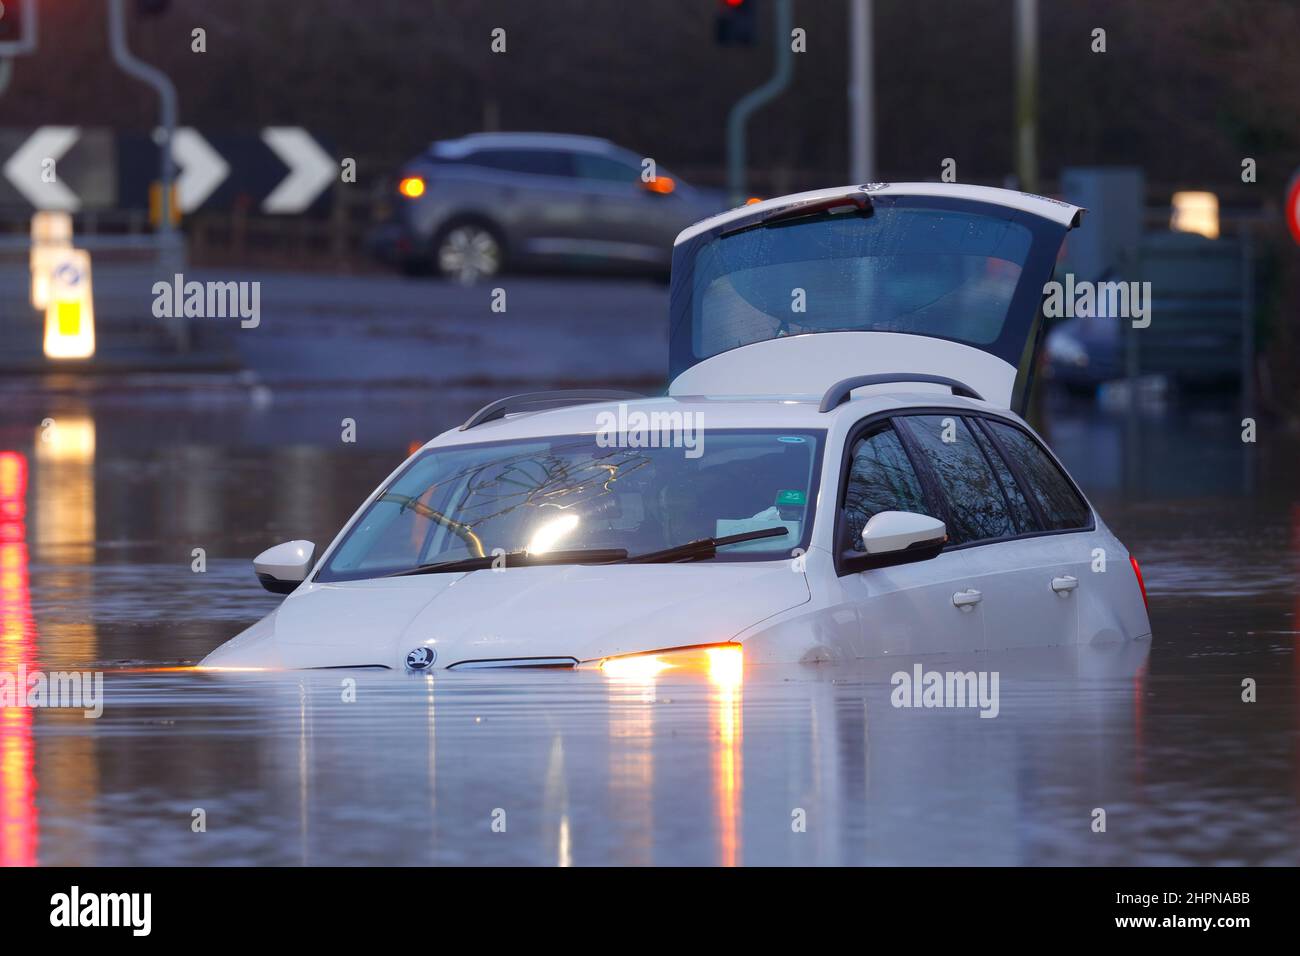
x: 1138, y: 572
x: 412, y: 187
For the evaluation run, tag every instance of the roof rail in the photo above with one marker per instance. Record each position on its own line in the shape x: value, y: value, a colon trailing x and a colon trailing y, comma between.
x: 537, y: 401
x: 839, y: 393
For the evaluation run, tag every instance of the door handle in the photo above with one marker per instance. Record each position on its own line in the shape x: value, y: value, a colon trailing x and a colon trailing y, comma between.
x: 966, y: 600
x: 1065, y: 584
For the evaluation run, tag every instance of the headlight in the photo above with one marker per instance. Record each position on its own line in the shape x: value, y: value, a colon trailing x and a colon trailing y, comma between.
x: 412, y: 187
x: 723, y: 663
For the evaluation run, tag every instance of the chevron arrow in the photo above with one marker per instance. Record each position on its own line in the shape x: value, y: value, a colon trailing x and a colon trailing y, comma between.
x: 25, y: 168
x: 201, y: 168
x: 311, y: 169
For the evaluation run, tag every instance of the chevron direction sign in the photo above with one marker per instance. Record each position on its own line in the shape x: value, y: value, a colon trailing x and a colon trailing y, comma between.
x: 281, y: 170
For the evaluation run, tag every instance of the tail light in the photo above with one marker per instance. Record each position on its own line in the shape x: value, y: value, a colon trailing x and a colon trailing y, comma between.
x: 1138, y: 572
x: 663, y: 185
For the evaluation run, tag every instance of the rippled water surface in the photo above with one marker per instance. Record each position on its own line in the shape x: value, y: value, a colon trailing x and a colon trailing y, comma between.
x: 785, y: 765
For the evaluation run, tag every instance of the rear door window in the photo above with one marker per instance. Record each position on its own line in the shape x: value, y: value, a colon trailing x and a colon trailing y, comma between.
x: 532, y: 162
x: 977, y: 506
x: 605, y: 169
x: 1022, y: 513
x: 1062, y: 507
x: 881, y: 478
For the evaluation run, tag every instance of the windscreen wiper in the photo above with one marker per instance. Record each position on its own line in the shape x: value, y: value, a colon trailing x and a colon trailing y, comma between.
x: 517, y: 559
x: 703, y: 548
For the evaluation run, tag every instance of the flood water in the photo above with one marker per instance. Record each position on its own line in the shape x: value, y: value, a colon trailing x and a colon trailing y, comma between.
x: 778, y: 765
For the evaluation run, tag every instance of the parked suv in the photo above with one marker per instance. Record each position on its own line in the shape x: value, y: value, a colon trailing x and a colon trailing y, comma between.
x: 469, y: 207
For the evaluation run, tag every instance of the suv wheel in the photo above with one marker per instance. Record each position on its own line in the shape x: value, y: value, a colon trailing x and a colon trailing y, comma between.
x: 468, y: 252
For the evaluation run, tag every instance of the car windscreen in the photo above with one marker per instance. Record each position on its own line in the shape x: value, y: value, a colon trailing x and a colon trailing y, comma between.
x: 967, y: 272
x: 580, y: 492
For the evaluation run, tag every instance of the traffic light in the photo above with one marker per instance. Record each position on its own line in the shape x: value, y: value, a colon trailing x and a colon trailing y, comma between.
x: 11, y: 21
x: 736, y: 22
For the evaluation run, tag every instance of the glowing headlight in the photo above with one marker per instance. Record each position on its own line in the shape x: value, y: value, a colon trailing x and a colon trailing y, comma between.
x: 723, y: 663
x: 412, y: 187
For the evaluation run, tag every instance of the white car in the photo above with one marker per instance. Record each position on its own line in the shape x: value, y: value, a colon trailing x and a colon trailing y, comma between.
x: 835, y: 473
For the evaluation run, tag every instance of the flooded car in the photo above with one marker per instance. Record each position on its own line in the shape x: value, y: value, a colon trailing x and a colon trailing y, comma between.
x: 837, y: 472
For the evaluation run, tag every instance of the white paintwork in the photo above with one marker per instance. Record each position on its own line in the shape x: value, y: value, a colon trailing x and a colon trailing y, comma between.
x: 806, y: 365
x: 1032, y: 591
x: 288, y: 561
x: 1058, y: 212
x: 890, y: 531
x: 547, y: 611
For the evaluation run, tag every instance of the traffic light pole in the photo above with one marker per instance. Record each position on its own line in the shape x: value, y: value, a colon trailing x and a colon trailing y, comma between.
x: 169, y: 243
x: 166, y: 90
x: 1026, y: 33
x: 748, y: 104
x: 26, y: 10
x: 862, y: 101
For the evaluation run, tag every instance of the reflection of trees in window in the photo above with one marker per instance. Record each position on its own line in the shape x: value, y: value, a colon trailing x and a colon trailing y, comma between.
x: 1061, y: 507
x: 498, y: 488
x: 978, y: 508
x: 880, y: 479
x: 1021, y: 514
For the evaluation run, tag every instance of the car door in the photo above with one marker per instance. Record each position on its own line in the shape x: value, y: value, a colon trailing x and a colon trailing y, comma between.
x: 625, y: 218
x: 1059, y: 558
x: 1022, y: 575
x: 918, y: 608
x: 534, y: 194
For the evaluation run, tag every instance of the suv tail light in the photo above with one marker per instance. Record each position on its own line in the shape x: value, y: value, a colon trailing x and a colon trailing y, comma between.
x: 1138, y: 572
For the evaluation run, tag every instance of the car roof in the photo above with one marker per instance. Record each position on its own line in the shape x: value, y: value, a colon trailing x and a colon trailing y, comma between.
x: 722, y: 412
x: 455, y: 148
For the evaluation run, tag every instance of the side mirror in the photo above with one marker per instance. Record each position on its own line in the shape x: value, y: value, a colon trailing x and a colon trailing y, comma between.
x: 897, y: 537
x: 282, y: 568
x: 891, y: 531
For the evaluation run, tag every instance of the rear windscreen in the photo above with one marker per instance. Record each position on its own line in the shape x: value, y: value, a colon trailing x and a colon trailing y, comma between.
x: 924, y: 268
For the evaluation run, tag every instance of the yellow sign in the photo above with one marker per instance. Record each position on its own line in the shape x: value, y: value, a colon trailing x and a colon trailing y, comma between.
x: 70, y: 312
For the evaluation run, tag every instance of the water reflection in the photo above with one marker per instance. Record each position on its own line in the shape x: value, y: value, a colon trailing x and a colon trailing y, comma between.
x: 63, y: 519
x: 631, y: 708
x: 19, y: 823
x: 725, y: 680
x: 701, y: 767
